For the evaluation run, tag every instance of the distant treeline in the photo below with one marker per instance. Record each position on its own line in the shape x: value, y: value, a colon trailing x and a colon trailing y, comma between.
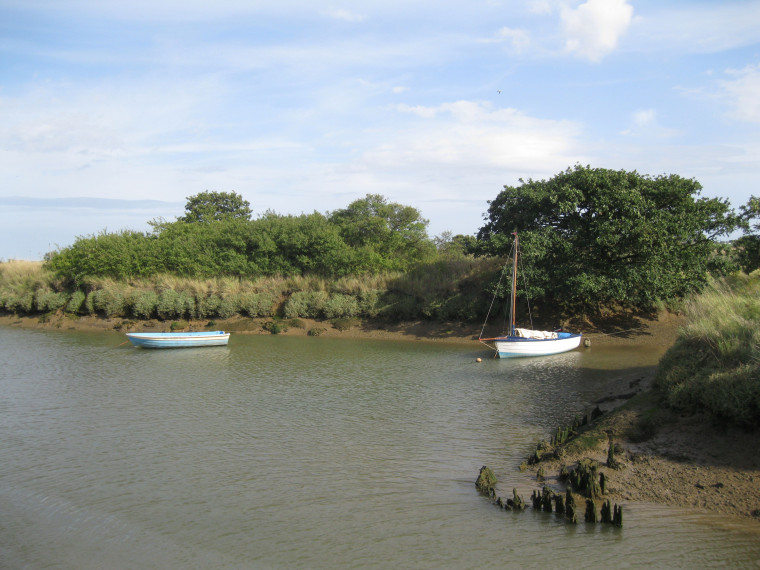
x: 592, y: 240
x: 371, y: 236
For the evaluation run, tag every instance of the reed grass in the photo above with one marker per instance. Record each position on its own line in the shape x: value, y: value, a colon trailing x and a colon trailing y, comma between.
x: 714, y: 365
x: 446, y: 289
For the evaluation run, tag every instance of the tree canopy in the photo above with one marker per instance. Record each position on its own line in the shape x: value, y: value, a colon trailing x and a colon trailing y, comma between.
x: 747, y: 247
x: 595, y: 237
x: 384, y: 230
x: 215, y: 206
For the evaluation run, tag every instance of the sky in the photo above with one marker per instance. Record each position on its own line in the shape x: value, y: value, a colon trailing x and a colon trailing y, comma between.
x: 113, y: 113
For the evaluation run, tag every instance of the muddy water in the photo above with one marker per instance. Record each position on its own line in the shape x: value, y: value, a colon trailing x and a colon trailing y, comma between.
x: 278, y: 452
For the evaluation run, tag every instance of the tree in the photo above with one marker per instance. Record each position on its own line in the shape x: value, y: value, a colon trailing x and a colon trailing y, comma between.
x: 389, y: 235
x: 596, y: 237
x: 458, y: 245
x: 215, y: 206
x: 747, y: 247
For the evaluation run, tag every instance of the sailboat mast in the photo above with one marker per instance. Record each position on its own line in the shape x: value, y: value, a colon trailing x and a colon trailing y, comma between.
x: 514, y: 290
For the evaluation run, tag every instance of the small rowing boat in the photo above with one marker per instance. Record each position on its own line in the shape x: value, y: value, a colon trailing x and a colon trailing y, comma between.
x: 179, y: 339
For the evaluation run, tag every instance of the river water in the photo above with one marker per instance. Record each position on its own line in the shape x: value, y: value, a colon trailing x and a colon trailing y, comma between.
x: 284, y: 452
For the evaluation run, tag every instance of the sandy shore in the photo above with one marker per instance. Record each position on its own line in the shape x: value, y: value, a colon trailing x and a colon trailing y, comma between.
x: 682, y: 461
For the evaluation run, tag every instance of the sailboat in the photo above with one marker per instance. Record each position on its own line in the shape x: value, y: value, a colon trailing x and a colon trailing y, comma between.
x: 527, y: 342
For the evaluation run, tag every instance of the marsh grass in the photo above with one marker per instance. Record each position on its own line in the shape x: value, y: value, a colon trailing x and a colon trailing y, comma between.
x: 714, y: 365
x: 442, y: 290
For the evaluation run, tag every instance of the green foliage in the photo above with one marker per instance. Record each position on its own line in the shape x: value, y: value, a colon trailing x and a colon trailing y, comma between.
x: 118, y: 255
x: 47, y: 301
x: 144, y: 303
x: 215, y: 206
x: 714, y: 366
x: 208, y: 306
x: 110, y: 301
x: 747, y: 252
x: 598, y: 237
x: 306, y: 304
x: 20, y: 302
x: 339, y: 306
x: 228, y: 307
x: 257, y: 304
x: 174, y: 305
x: 275, y: 326
x: 74, y: 305
x: 386, y: 236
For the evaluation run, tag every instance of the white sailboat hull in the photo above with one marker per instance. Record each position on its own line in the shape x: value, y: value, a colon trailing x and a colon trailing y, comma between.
x: 515, y: 346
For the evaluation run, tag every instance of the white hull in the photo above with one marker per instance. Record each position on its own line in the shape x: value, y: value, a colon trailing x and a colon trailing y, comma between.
x: 179, y: 340
x: 515, y: 346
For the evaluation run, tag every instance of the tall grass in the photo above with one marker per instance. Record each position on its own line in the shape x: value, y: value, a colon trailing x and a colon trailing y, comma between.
x: 443, y: 290
x: 714, y: 365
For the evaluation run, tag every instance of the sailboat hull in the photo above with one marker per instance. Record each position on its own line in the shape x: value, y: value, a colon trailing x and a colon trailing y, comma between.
x: 516, y: 346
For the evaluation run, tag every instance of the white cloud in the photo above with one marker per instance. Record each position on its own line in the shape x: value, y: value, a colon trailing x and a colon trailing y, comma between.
x: 595, y: 27
x: 473, y: 135
x: 345, y: 15
x: 644, y: 122
x: 518, y: 39
x: 743, y: 93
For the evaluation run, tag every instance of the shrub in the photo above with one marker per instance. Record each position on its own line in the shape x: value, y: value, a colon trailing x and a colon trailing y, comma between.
x: 21, y: 302
x: 257, y: 304
x: 111, y: 302
x: 47, y: 301
x: 174, y: 304
x: 275, y: 327
x: 144, y: 303
x: 306, y: 304
x: 228, y: 307
x: 207, y: 306
x: 340, y: 306
x: 369, y: 302
x: 75, y: 302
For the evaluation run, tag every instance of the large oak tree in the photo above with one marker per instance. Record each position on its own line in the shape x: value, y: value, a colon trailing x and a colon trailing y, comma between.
x: 594, y: 238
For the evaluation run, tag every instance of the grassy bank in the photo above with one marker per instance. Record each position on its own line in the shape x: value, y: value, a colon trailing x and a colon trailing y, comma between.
x: 714, y: 366
x: 450, y: 290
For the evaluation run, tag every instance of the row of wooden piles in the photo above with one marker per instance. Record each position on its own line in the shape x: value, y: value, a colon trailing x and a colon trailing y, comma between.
x: 584, y: 480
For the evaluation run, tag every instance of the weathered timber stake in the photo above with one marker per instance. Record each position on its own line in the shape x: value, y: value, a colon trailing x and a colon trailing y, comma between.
x: 592, y: 515
x: 617, y: 517
x: 536, y: 500
x: 517, y: 501
x: 606, y: 512
x: 559, y: 504
x: 485, y: 481
x: 611, y: 461
x: 546, y: 499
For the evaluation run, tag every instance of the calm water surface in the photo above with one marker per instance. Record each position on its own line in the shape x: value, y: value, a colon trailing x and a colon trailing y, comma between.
x: 278, y: 452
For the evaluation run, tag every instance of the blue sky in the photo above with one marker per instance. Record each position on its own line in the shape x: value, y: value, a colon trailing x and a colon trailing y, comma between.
x: 307, y: 106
